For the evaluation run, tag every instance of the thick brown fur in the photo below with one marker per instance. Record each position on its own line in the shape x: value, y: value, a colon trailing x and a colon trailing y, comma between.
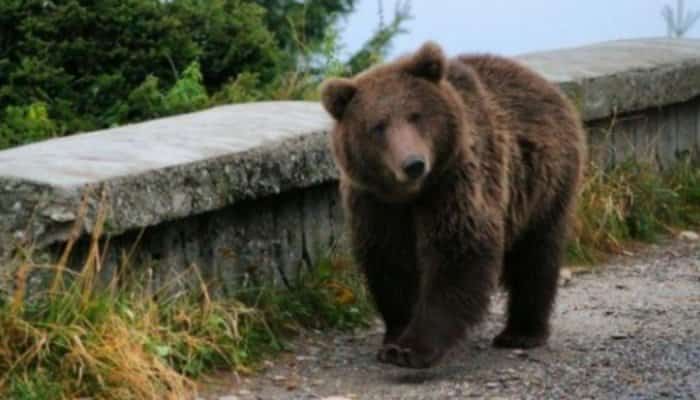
x: 501, y: 154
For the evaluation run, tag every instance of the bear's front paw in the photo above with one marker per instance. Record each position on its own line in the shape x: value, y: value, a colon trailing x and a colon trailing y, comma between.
x: 513, y: 340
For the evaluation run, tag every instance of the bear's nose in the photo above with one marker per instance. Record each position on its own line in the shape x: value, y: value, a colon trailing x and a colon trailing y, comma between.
x: 414, y: 167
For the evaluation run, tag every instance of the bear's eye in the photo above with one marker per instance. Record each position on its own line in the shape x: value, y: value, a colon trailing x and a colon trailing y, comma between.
x: 378, y: 129
x: 414, y: 117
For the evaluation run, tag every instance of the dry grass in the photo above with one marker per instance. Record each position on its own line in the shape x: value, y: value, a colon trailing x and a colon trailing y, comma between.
x: 82, y: 338
x: 630, y: 203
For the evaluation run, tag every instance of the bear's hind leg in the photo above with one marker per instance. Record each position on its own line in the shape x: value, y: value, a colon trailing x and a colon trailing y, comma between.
x: 530, y: 275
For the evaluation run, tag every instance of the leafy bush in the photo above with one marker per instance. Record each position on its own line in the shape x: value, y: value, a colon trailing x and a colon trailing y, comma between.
x: 23, y: 124
x: 92, y: 65
x: 82, y: 57
x: 148, y: 100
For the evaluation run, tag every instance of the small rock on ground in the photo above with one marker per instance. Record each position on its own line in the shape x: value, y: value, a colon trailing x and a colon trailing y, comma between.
x: 689, y: 235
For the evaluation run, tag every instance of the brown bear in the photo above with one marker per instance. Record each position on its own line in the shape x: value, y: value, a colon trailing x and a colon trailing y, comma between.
x: 455, y: 175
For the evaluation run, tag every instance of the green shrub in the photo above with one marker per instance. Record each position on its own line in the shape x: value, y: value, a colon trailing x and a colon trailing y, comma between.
x: 149, y: 100
x: 83, y: 57
x: 99, y: 64
x: 24, y: 124
x: 245, y: 88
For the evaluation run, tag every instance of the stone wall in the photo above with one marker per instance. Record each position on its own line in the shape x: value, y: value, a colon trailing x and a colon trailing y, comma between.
x: 269, y: 239
x: 250, y: 189
x: 661, y: 135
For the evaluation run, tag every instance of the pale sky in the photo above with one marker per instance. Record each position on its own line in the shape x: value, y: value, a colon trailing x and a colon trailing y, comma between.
x: 515, y: 26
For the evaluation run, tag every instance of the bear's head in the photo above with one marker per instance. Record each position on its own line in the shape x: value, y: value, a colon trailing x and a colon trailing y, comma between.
x: 397, y: 125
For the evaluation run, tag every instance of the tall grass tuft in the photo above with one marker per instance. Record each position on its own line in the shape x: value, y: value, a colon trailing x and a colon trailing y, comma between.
x: 633, y: 202
x: 122, y: 340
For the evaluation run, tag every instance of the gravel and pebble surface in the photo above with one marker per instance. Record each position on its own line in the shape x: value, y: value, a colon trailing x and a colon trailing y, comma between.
x: 627, y: 330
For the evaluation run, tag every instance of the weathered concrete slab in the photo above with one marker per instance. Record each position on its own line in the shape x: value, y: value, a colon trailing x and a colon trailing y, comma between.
x: 163, y: 169
x: 133, y: 149
x: 623, y: 76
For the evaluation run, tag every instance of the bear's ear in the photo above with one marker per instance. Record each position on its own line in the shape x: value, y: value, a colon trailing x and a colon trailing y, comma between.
x: 335, y: 96
x: 428, y: 63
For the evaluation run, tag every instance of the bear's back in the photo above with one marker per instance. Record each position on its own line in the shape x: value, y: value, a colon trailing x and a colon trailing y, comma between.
x: 545, y: 129
x: 523, y: 94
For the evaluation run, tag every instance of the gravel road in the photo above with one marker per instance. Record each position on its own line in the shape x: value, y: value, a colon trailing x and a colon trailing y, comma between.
x: 627, y: 330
